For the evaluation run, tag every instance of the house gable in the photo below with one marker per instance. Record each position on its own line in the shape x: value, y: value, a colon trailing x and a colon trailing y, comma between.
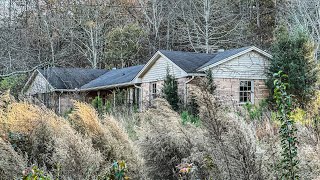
x: 250, y: 65
x: 37, y: 85
x: 218, y: 60
x: 156, y: 69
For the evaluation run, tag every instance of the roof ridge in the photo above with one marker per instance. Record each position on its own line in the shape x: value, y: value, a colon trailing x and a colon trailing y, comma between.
x: 189, y: 52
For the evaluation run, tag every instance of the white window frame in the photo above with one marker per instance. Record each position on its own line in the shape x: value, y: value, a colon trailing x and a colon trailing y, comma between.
x: 153, y: 90
x: 251, y: 91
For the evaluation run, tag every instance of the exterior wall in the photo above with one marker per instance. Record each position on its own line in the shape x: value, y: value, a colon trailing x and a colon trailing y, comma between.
x: 251, y: 65
x: 228, y: 90
x: 39, y: 85
x: 158, y: 71
x: 146, y: 91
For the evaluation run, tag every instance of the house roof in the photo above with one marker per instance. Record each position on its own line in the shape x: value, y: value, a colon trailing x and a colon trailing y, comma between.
x: 188, y: 61
x: 114, y: 77
x: 191, y: 62
x: 223, y: 55
x: 70, y: 78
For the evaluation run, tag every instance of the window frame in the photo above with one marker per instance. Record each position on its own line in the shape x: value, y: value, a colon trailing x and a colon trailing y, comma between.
x: 251, y: 91
x: 153, y: 90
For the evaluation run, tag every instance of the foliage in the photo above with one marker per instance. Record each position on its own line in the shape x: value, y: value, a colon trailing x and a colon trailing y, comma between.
x: 170, y: 91
x: 209, y: 82
x: 184, y: 169
x: 118, y: 171
x: 293, y: 54
x: 34, y: 173
x: 12, y: 163
x: 190, y: 118
x: 256, y: 112
x: 289, y: 162
x: 125, y: 45
x: 14, y: 83
x: 108, y: 106
x: 97, y: 103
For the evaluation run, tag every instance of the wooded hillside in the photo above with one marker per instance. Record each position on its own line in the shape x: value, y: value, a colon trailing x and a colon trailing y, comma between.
x: 109, y: 33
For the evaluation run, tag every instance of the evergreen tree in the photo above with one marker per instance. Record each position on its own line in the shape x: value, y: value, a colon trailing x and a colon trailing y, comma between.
x: 293, y: 54
x: 170, y: 91
x: 209, y: 82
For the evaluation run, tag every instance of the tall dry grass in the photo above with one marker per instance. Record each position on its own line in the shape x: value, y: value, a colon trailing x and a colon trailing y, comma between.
x: 11, y: 163
x: 164, y: 142
x: 108, y: 137
x: 50, y: 142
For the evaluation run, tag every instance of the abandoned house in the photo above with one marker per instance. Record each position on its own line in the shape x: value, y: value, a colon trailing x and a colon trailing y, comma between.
x: 239, y: 75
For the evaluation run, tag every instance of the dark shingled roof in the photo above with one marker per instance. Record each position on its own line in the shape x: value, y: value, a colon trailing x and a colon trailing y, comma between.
x: 113, y: 77
x: 70, y: 78
x: 223, y: 55
x: 190, y: 62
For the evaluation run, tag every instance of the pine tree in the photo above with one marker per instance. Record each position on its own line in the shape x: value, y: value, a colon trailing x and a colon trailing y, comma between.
x: 293, y: 54
x: 170, y: 91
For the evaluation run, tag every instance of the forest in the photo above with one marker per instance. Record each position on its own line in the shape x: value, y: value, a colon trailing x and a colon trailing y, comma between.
x: 208, y: 138
x: 120, y: 33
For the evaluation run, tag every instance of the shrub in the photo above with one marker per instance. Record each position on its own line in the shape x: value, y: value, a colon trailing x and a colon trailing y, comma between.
x: 97, y: 103
x: 289, y: 162
x: 293, y: 54
x: 34, y: 173
x: 170, y: 91
x: 107, y: 137
x: 190, y: 118
x: 13, y: 83
x: 11, y: 163
x: 163, y: 144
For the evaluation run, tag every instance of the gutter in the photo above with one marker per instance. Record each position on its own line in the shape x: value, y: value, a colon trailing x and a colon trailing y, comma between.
x: 106, y: 87
x: 186, y: 91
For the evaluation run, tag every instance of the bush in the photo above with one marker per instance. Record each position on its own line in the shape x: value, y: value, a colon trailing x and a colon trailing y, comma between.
x: 293, y: 54
x: 170, y: 91
x: 163, y: 144
x: 108, y: 137
x: 11, y: 163
x: 97, y: 103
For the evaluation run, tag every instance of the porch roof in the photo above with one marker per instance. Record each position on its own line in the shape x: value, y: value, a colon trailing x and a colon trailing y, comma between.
x: 114, y: 77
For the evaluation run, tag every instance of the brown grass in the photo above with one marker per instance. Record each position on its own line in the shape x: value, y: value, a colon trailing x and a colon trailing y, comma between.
x: 108, y: 137
x: 11, y: 163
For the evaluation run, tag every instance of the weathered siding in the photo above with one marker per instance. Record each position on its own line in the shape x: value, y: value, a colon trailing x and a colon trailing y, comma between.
x: 228, y: 90
x: 39, y: 85
x: 251, y: 65
x: 158, y: 71
x: 146, y: 89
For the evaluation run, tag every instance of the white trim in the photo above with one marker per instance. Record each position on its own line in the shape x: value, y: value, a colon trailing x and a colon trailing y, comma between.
x: 154, y: 58
x: 251, y: 91
x: 107, y: 87
x: 253, y: 48
x: 29, y: 82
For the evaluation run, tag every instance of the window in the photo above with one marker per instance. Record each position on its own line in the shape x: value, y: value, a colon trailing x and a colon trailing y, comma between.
x: 246, y: 92
x: 153, y: 90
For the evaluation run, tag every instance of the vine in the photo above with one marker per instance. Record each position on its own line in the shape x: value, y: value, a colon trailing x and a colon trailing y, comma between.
x: 289, y: 162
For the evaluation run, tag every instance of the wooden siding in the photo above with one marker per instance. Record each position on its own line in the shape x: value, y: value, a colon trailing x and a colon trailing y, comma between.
x: 158, y: 70
x: 251, y: 65
x: 39, y: 85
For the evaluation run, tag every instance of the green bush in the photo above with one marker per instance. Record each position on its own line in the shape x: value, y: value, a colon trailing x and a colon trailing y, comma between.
x: 190, y: 118
x: 293, y: 54
x: 256, y: 112
x: 170, y: 91
x: 14, y: 83
x: 97, y: 103
x: 35, y: 174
